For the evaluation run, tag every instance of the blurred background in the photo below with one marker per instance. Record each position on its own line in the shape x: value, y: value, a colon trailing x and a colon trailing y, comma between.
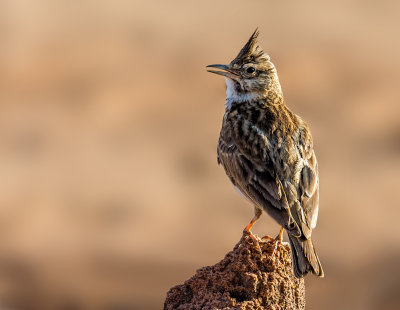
x: 110, y: 192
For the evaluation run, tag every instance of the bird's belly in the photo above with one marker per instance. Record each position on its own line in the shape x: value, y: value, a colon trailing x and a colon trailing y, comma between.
x: 241, y: 193
x: 237, y: 174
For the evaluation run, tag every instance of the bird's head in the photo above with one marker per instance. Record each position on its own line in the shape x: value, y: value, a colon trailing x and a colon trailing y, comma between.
x: 250, y: 75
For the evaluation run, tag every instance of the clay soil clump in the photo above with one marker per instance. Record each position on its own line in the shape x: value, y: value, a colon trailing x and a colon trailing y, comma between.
x: 244, y: 279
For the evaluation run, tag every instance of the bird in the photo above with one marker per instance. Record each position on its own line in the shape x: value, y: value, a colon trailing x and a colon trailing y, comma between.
x: 267, y: 152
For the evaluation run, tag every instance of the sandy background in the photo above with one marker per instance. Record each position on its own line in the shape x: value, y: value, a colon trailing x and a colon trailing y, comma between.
x: 110, y: 192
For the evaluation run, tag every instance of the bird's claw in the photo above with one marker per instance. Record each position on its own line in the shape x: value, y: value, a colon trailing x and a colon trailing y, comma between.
x: 255, y: 241
x: 277, y: 240
x: 267, y: 238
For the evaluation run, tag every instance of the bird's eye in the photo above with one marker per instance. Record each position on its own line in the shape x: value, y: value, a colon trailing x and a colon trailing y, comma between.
x: 250, y: 70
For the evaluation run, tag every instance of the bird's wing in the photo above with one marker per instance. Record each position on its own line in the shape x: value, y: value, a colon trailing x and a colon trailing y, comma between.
x: 309, y: 190
x: 305, y: 199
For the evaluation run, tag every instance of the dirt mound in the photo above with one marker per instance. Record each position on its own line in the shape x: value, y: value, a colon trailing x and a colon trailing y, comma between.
x: 244, y: 279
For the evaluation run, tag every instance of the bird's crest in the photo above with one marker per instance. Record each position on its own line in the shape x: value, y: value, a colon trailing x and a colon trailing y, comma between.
x: 251, y: 52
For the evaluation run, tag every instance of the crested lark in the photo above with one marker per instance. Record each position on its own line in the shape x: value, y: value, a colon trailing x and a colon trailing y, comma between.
x: 267, y: 152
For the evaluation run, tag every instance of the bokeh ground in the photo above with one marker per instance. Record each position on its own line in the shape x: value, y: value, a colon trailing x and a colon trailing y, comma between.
x: 110, y: 191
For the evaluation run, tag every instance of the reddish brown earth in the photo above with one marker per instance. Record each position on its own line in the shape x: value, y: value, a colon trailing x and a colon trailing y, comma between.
x: 243, y: 280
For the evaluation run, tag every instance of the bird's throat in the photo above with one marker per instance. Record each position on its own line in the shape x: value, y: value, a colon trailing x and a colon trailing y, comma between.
x: 235, y: 94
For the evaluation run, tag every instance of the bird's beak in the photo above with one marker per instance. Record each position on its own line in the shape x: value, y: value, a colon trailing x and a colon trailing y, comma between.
x: 227, y: 71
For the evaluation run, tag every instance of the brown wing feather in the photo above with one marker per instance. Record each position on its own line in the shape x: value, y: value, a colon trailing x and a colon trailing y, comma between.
x: 309, y: 190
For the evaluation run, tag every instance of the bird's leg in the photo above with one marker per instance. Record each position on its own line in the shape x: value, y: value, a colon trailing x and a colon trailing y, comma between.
x: 280, y: 236
x: 257, y: 214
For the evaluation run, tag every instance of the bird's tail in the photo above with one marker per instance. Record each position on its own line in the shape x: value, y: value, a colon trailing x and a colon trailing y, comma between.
x: 304, y: 257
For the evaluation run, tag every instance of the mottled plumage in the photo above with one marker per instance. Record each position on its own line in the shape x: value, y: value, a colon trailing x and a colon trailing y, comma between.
x: 267, y: 152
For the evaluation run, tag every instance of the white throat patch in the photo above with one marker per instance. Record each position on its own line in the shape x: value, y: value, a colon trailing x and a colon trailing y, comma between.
x: 233, y: 96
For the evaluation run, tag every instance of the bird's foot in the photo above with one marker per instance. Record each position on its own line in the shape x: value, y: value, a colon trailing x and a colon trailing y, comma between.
x: 267, y: 238
x: 250, y: 225
x: 254, y: 238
